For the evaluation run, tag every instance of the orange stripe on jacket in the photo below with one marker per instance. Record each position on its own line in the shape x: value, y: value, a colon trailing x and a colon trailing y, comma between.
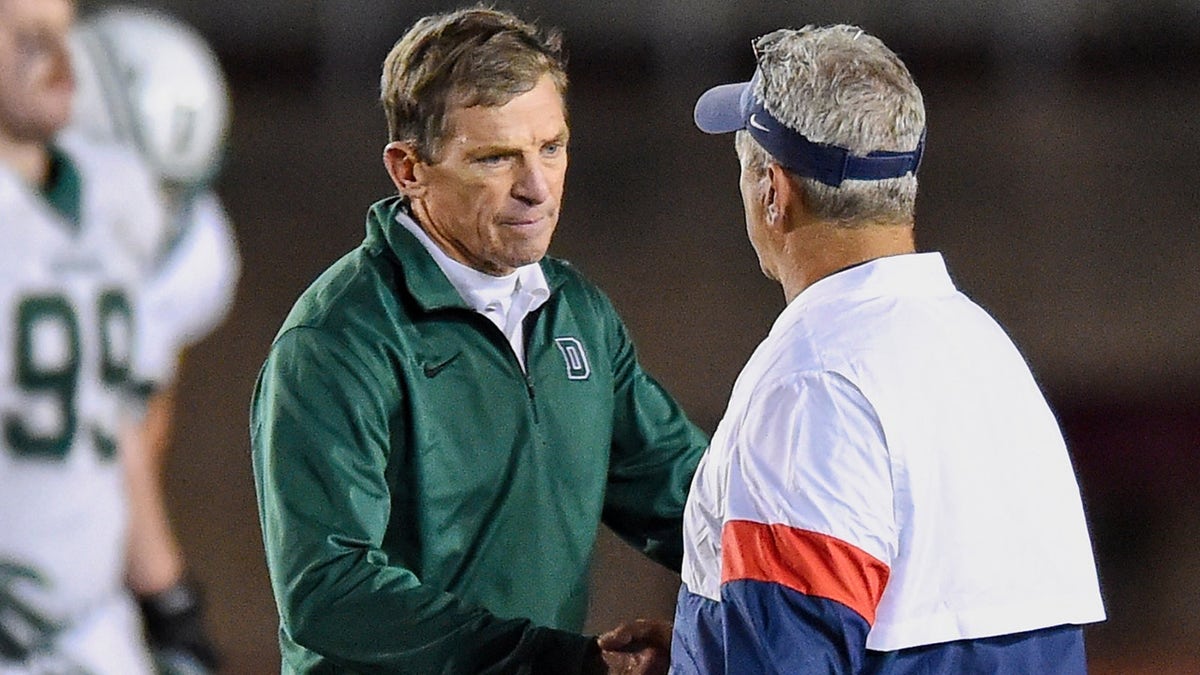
x: 808, y: 562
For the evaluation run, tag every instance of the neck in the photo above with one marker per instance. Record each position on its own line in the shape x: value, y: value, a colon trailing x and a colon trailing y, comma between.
x: 31, y: 161
x: 815, y: 251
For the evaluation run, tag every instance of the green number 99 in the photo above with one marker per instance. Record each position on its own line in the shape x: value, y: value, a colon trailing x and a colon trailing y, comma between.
x: 54, y: 377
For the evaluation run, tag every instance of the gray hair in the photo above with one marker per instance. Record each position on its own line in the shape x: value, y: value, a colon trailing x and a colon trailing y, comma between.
x: 841, y: 86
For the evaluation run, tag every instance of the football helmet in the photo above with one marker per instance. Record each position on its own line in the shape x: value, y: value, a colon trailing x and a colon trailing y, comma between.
x: 146, y: 78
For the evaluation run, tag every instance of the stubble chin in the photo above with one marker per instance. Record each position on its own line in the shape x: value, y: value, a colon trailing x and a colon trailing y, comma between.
x: 515, y: 246
x: 533, y: 245
x: 527, y: 255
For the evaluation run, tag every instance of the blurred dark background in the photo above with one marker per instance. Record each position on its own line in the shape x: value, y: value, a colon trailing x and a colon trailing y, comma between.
x: 1059, y: 181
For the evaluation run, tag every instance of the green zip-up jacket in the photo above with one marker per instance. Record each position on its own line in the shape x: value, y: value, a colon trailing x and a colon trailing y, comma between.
x: 427, y: 506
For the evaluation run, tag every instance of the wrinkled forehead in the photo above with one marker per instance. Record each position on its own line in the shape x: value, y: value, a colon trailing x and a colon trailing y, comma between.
x: 539, y: 113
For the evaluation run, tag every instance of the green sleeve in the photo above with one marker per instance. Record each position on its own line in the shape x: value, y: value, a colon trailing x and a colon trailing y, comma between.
x: 321, y: 443
x: 654, y: 454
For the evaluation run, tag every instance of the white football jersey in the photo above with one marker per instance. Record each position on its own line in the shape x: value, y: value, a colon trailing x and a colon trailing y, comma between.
x: 69, y: 297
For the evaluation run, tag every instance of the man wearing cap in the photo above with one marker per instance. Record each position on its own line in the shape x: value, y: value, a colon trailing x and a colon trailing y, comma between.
x: 888, y: 491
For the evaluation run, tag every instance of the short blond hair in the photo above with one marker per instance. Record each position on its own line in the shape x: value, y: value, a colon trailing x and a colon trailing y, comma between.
x: 476, y: 56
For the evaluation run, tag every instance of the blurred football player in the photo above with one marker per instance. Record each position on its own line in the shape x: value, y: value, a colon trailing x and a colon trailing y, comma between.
x: 150, y: 81
x: 81, y: 224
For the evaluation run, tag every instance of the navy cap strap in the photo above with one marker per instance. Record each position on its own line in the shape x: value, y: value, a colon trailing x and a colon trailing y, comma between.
x: 828, y: 164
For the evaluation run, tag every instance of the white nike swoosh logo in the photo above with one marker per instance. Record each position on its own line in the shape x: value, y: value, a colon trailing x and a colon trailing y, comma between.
x: 756, y: 124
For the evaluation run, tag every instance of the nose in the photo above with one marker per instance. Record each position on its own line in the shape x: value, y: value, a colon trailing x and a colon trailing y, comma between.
x: 49, y: 56
x: 532, y: 184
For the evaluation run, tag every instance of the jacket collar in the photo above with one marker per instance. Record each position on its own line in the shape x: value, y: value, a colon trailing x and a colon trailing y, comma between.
x: 418, y: 270
x: 909, y: 274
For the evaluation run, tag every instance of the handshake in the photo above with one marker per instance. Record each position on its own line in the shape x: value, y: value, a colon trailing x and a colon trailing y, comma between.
x: 642, y: 647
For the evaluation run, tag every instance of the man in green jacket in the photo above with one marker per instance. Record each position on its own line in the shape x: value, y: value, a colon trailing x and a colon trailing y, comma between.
x: 447, y: 415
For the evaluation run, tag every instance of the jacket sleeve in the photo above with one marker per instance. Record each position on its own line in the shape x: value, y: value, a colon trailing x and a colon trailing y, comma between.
x: 321, y: 444
x: 655, y: 450
x: 809, y: 531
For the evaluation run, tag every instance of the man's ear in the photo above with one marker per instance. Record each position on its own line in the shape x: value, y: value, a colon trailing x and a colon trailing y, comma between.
x: 784, y: 197
x: 402, y: 163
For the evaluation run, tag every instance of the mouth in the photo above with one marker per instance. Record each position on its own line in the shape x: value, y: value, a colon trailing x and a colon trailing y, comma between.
x: 526, y: 222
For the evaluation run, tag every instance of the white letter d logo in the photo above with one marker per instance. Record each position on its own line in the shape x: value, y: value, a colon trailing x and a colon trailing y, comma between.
x: 575, y: 358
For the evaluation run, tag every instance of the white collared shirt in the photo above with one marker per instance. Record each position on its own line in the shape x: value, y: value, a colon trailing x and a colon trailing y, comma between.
x: 888, y: 412
x: 505, y: 301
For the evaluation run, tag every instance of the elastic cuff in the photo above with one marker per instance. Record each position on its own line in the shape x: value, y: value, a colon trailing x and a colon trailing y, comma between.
x: 562, y: 652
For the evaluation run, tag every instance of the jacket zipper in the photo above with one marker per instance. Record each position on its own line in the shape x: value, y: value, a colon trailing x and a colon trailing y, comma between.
x: 532, y: 400
x: 529, y: 392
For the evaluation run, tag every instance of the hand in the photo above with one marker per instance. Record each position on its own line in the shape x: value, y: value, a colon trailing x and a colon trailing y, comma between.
x: 639, y: 648
x: 175, y: 631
